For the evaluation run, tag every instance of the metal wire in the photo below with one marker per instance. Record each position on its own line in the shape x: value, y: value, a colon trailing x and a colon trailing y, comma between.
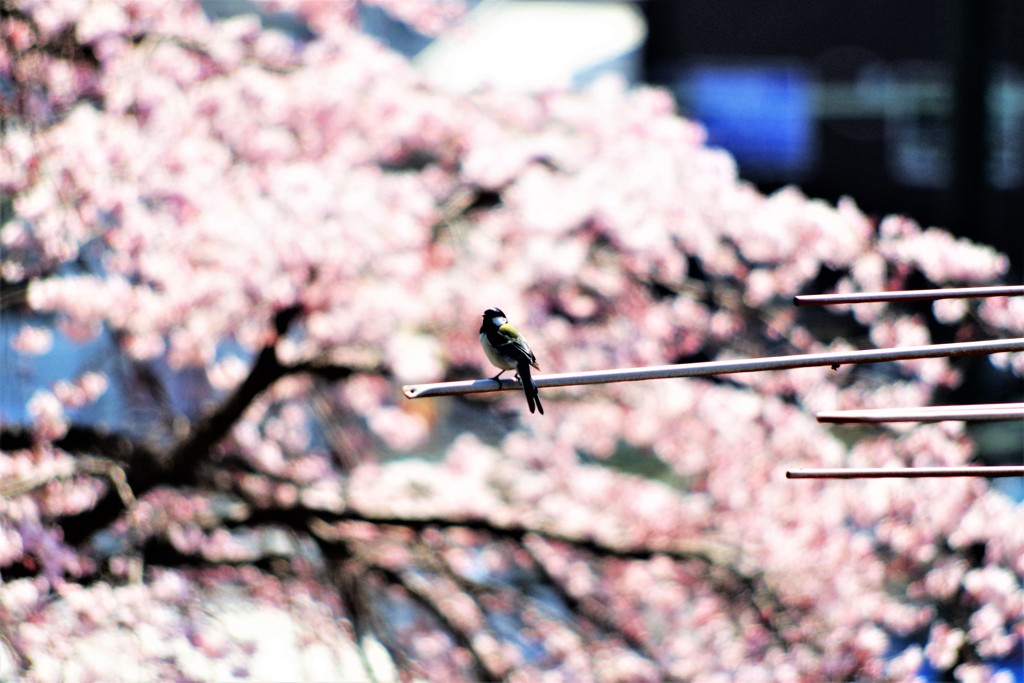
x: 832, y: 359
x: 906, y: 472
x: 983, y: 412
x: 907, y: 295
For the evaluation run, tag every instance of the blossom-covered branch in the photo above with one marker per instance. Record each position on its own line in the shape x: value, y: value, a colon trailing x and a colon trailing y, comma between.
x: 182, y: 464
x: 272, y: 230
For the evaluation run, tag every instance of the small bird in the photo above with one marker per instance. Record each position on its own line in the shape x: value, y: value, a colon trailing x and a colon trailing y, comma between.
x: 508, y: 350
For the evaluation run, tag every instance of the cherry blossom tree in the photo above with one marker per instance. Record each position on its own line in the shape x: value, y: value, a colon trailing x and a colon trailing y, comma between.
x: 268, y: 235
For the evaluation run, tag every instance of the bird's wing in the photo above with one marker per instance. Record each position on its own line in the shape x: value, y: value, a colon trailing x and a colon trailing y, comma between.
x: 513, y: 344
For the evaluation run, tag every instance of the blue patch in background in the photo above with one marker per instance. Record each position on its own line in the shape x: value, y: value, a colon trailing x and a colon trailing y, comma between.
x: 763, y: 115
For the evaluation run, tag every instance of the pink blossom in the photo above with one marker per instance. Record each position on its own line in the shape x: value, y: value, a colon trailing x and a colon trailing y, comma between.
x: 905, y: 665
x: 47, y: 414
x: 950, y: 311
x: 974, y: 673
x: 86, y: 389
x: 101, y: 20
x: 943, y: 644
x: 945, y: 579
x: 33, y: 340
x: 939, y: 255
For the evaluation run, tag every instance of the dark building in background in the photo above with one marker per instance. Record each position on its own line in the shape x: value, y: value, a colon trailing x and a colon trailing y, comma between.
x: 914, y: 108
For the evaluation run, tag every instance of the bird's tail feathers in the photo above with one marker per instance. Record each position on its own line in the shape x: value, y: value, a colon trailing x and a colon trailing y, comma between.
x: 530, y: 389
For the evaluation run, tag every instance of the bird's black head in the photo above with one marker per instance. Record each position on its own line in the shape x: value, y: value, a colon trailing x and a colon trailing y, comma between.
x: 492, y: 313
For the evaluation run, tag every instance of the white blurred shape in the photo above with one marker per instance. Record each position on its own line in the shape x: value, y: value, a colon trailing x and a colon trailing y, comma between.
x: 533, y: 46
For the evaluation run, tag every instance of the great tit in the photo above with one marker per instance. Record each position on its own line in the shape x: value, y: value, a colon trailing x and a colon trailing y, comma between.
x: 508, y: 350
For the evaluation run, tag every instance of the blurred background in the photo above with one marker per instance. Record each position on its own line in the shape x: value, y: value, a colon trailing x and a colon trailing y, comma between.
x: 911, y: 108
x: 914, y: 108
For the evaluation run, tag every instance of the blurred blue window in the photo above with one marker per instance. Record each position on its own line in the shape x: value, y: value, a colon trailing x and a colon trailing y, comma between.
x: 762, y: 114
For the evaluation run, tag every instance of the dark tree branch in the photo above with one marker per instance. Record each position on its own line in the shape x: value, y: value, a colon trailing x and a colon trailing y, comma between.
x: 188, y: 455
x: 347, y: 572
x: 705, y: 551
x: 957, y: 610
x: 13, y: 295
x: 346, y: 577
x: 727, y: 579
x: 418, y: 590
x: 591, y: 609
x: 182, y: 463
x: 483, y: 670
x: 731, y: 582
x: 83, y: 439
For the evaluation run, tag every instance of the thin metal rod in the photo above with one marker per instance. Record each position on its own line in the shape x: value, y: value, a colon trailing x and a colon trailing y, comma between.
x: 907, y: 295
x: 833, y: 359
x: 983, y: 412
x: 905, y: 472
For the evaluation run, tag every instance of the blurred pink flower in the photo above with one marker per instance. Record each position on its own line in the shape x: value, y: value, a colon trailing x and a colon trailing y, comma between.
x: 47, y: 414
x: 32, y: 340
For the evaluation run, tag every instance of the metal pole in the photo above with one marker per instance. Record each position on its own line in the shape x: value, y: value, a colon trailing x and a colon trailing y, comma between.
x: 833, y: 359
x: 983, y: 412
x: 905, y: 472
x: 907, y: 295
